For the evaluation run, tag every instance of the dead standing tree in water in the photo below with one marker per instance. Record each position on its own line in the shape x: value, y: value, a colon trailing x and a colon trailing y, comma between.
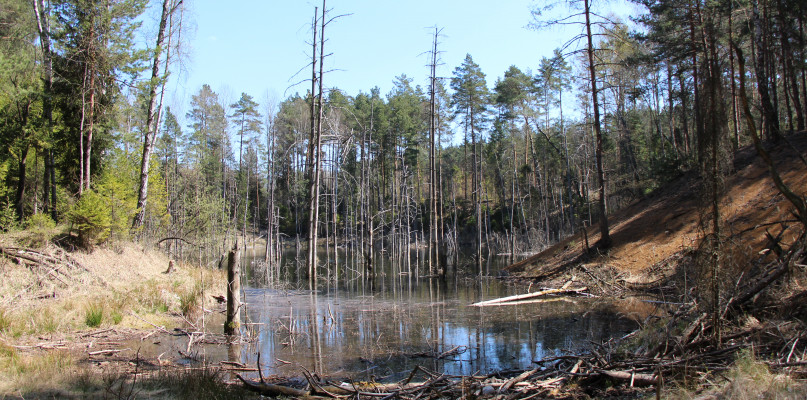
x: 314, y: 144
x: 233, y: 322
x: 315, y: 141
x: 435, y: 266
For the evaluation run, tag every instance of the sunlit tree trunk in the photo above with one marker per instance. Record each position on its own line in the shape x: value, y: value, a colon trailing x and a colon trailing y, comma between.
x: 152, y: 119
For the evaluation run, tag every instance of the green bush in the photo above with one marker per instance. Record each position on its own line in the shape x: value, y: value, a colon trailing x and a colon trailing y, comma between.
x: 91, y: 219
x: 39, y: 221
x: 40, y: 227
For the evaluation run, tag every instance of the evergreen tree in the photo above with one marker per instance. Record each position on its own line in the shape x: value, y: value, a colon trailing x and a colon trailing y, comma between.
x: 470, y: 105
x: 248, y: 120
x: 97, y: 58
x: 208, y: 144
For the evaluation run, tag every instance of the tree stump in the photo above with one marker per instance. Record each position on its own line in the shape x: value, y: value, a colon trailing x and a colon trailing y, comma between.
x: 170, y: 267
x: 233, y: 322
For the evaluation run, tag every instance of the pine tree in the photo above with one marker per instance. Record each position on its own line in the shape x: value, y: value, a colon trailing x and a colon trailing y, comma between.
x: 470, y: 105
x: 98, y: 57
x: 248, y: 120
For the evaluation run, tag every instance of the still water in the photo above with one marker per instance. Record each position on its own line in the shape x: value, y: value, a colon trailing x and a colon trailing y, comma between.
x: 382, y: 329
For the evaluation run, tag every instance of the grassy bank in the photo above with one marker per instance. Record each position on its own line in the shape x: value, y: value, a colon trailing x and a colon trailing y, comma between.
x: 57, y: 315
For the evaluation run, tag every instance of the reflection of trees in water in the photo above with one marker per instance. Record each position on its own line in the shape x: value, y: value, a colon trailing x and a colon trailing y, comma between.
x: 378, y: 336
x: 374, y: 327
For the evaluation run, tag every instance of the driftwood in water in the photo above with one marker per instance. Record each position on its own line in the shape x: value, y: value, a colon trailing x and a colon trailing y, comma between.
x: 509, y: 300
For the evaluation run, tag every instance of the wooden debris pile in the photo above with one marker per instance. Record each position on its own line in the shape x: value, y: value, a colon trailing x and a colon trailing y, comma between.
x: 52, y: 270
x: 531, y: 383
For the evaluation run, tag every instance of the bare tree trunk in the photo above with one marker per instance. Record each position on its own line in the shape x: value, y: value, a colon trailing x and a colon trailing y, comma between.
x: 81, y: 134
x: 434, y: 219
x: 314, y: 186
x: 605, y: 237
x: 735, y: 121
x: 88, y: 143
x: 789, y: 72
x: 21, y: 182
x: 270, y: 203
x: 152, y: 121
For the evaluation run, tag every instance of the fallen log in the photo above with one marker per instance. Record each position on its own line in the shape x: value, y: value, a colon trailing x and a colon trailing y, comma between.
x: 524, y: 375
x: 272, y: 390
x: 526, y: 296
x: 635, y: 379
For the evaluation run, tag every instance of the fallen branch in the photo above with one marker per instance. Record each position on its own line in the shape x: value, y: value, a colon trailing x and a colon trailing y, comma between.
x: 524, y: 375
x: 526, y: 296
x: 105, y: 352
x: 176, y: 238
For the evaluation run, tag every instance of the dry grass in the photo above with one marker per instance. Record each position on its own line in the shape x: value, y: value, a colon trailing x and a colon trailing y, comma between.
x: 123, y: 287
x: 131, y: 282
x: 44, y: 372
x: 747, y: 379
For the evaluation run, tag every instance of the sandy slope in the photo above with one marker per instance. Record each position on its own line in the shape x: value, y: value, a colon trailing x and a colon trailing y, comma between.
x: 665, y: 223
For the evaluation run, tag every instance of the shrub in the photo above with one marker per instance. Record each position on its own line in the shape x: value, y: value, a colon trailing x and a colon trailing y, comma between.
x: 189, y: 300
x: 91, y: 218
x: 39, y: 221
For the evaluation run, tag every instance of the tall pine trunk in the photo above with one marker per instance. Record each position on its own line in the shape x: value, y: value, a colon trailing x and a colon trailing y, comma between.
x: 605, y: 237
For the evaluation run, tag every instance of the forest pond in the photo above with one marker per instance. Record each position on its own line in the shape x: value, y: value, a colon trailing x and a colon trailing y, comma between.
x: 382, y: 329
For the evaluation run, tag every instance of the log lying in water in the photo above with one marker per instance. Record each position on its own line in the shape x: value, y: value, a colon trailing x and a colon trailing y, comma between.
x: 509, y: 300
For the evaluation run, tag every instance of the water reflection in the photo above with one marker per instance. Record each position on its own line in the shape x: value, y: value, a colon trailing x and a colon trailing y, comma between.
x: 382, y: 329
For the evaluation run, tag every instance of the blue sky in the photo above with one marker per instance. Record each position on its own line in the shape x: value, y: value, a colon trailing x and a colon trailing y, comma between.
x: 257, y: 46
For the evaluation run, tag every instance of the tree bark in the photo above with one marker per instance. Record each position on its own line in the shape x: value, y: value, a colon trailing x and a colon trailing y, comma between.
x: 21, y: 182
x: 789, y: 73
